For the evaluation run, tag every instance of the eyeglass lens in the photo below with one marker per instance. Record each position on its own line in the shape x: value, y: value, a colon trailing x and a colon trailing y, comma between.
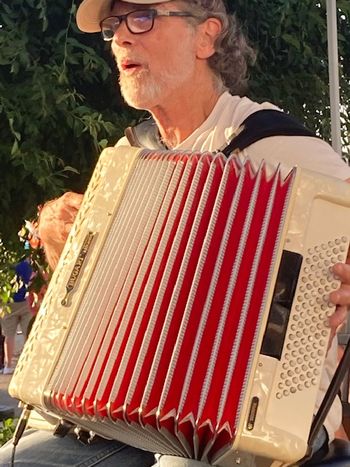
x: 136, y: 21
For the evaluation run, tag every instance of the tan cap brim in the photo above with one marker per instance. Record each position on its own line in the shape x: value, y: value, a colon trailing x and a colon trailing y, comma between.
x: 91, y: 12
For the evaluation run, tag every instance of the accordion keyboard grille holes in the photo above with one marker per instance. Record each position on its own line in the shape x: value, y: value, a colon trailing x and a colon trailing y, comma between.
x: 307, y: 333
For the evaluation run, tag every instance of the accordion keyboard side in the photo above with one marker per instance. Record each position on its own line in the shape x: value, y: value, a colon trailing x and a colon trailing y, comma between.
x: 41, y: 350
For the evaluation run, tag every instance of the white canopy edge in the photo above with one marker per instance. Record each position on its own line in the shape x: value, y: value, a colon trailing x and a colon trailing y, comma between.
x: 333, y: 63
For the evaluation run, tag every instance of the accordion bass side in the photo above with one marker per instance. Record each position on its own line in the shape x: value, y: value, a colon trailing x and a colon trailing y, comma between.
x: 187, y: 312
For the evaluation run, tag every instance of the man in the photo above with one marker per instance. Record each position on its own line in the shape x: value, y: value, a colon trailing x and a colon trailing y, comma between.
x: 177, y: 59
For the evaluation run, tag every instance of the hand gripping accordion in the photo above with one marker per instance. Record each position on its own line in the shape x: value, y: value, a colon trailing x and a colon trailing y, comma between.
x: 187, y: 313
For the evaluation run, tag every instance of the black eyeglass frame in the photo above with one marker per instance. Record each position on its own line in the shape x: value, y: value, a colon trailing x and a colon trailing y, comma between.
x: 153, y: 14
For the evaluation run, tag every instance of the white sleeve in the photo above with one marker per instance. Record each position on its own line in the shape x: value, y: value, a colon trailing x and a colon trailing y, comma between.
x: 306, y: 152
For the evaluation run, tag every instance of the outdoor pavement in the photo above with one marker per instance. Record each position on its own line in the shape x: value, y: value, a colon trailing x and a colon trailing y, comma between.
x: 7, y: 402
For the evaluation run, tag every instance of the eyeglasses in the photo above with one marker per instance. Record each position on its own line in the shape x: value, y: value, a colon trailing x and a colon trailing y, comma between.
x: 137, y: 22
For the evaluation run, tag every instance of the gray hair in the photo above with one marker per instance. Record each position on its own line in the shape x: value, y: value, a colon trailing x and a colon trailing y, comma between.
x: 233, y: 53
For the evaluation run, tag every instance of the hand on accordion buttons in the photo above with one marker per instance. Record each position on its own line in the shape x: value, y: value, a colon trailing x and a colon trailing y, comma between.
x: 55, y: 222
x: 340, y: 297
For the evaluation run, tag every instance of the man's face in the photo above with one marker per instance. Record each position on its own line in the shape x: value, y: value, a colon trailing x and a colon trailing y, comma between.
x: 156, y: 65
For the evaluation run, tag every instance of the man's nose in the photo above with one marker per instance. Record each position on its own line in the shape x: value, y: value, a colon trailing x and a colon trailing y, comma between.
x: 122, y: 35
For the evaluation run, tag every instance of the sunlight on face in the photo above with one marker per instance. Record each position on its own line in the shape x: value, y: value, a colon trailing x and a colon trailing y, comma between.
x: 167, y: 58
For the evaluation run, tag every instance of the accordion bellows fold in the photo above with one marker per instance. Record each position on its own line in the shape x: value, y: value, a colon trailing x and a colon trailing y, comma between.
x: 154, y: 328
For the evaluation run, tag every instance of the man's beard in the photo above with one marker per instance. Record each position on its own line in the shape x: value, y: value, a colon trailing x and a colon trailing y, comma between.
x: 143, y: 90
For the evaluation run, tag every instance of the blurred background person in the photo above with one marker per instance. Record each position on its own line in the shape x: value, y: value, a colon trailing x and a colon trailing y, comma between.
x: 19, y: 314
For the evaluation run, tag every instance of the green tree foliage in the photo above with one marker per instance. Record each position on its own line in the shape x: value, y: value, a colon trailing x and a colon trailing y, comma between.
x: 7, y: 276
x: 7, y: 430
x: 290, y: 37
x: 58, y: 106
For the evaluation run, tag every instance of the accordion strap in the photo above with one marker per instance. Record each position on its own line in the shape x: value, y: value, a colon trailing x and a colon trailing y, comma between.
x: 259, y: 125
x: 263, y: 124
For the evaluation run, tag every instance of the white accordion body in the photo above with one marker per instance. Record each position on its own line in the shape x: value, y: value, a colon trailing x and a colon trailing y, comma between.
x: 187, y: 313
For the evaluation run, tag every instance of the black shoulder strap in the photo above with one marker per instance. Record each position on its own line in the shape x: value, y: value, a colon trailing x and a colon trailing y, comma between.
x: 259, y: 125
x: 262, y: 124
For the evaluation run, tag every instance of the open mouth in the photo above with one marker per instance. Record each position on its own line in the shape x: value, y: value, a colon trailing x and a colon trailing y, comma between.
x: 130, y: 66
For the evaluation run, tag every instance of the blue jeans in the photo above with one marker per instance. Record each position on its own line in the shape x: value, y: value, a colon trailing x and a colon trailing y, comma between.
x: 41, y: 448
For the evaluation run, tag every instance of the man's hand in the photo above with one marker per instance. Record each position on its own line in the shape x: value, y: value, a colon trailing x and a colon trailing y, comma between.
x: 55, y: 222
x: 340, y: 297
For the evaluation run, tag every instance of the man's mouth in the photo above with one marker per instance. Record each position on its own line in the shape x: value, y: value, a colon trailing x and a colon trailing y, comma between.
x: 129, y: 66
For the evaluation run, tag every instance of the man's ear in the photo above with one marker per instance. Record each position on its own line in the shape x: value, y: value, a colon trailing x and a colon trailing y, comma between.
x: 208, y: 31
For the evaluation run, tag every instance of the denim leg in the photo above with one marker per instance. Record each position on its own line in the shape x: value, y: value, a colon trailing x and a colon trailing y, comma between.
x: 42, y: 449
x: 320, y: 440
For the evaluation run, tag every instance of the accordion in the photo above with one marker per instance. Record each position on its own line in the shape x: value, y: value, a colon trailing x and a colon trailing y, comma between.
x: 187, y: 312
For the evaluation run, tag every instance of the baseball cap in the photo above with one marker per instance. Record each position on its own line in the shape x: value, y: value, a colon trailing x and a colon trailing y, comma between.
x: 91, y: 12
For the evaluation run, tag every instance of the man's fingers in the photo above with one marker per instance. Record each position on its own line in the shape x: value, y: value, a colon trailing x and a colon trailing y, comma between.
x: 341, y: 296
x: 338, y: 317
